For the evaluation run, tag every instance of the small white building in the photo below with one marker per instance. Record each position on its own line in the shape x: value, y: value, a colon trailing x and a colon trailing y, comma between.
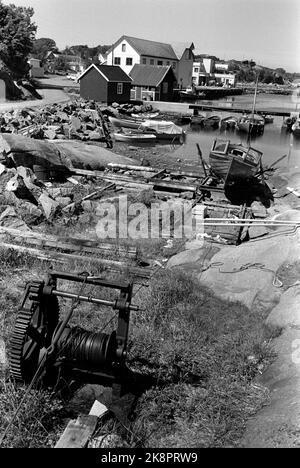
x: 207, y: 71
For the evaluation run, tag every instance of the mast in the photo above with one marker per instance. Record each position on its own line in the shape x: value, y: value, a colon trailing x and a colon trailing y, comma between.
x: 255, y: 96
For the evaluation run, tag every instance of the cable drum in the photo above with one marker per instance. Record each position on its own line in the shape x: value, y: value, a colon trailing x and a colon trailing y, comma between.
x: 86, y: 348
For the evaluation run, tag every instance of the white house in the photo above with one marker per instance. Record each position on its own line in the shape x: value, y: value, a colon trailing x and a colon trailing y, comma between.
x: 129, y: 51
x: 209, y: 71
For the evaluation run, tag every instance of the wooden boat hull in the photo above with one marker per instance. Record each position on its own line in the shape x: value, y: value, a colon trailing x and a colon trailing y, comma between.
x: 254, y: 128
x: 222, y: 165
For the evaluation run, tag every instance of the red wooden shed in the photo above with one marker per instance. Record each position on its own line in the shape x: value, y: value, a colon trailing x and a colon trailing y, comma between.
x: 105, y: 83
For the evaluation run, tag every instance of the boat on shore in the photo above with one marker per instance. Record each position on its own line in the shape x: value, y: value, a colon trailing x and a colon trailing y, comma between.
x: 149, y: 115
x: 235, y: 160
x: 163, y: 130
x: 134, y: 137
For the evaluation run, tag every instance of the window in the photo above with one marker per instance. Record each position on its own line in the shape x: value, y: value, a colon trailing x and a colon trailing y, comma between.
x: 196, y: 70
x: 165, y: 88
x: 144, y: 61
x: 168, y: 63
x: 159, y: 62
x: 174, y: 65
x: 120, y: 88
x: 151, y: 61
x: 117, y: 61
x: 128, y: 61
x: 123, y: 47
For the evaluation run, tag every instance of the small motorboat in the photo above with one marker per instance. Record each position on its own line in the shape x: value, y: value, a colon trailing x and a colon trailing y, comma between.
x: 250, y: 124
x: 211, y: 122
x: 228, y: 123
x: 134, y: 137
x: 235, y: 160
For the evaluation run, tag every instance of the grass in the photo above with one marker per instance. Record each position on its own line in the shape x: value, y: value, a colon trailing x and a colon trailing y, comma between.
x: 202, y: 352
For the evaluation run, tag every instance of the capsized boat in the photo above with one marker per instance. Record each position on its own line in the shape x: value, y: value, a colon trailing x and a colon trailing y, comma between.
x: 234, y: 159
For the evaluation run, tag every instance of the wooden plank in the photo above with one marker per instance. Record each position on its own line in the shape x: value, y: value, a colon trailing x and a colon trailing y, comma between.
x: 55, y: 256
x: 78, y: 432
x: 85, y: 245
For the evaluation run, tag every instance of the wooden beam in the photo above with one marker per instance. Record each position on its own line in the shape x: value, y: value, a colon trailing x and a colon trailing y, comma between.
x: 79, y: 431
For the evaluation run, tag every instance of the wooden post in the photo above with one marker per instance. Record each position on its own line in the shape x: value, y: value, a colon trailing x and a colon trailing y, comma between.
x: 201, y: 159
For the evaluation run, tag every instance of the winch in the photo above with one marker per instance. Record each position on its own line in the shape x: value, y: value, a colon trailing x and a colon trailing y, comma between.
x: 45, y: 348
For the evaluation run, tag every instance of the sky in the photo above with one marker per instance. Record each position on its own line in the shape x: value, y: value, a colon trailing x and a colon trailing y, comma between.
x: 267, y: 31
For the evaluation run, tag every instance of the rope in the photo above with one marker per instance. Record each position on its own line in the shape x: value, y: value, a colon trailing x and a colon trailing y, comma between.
x: 256, y: 266
x: 41, y: 365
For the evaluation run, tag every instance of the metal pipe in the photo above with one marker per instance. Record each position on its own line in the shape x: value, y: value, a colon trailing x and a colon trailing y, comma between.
x: 92, y: 300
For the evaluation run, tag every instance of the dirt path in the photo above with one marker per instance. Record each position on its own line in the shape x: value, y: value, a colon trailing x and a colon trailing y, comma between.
x: 50, y: 96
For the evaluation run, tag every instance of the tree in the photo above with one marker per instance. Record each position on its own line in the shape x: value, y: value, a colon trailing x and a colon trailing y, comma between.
x: 17, y: 33
x: 43, y: 45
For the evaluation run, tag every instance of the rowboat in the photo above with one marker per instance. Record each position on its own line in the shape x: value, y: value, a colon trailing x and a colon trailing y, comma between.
x: 197, y: 119
x: 211, y: 122
x: 134, y: 137
x: 234, y: 159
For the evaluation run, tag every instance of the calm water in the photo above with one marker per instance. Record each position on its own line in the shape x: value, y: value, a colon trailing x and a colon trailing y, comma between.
x: 274, y: 143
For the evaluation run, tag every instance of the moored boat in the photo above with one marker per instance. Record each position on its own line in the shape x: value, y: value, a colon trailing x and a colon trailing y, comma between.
x: 234, y: 159
x: 254, y: 125
x: 268, y: 119
x: 228, y: 122
x: 197, y: 119
x: 164, y: 130
x: 211, y: 122
x: 296, y: 128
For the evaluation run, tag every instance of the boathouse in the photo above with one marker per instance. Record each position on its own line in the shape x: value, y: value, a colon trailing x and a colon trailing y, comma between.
x: 152, y: 83
x: 105, y: 83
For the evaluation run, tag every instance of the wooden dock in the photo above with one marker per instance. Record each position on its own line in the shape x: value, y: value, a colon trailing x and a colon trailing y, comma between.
x: 240, y: 110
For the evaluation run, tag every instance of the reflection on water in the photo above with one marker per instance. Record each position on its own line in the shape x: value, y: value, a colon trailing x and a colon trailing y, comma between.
x: 274, y: 142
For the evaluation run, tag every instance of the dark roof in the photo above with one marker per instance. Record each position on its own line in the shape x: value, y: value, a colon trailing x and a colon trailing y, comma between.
x: 149, y: 48
x: 148, y: 75
x: 110, y: 73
